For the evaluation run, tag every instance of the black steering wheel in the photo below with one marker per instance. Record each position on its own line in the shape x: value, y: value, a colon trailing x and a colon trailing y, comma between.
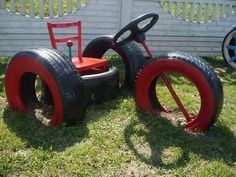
x: 136, y: 34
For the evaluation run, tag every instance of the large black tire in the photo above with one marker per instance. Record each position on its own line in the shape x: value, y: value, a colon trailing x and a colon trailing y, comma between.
x: 60, y: 76
x: 227, y: 53
x: 197, y: 71
x: 130, y: 53
x: 103, y: 86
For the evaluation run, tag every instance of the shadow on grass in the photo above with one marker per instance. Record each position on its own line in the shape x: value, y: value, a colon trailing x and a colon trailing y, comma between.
x: 1, y: 84
x: 33, y: 132
x: 38, y: 135
x: 161, y: 144
x: 158, y: 135
x: 2, y: 71
x: 225, y: 72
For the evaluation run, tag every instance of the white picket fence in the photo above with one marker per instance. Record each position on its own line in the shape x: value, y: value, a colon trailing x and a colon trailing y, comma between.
x: 199, y: 11
x: 195, y: 26
x: 20, y: 7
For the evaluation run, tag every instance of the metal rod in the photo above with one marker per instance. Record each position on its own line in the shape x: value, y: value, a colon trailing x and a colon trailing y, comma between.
x: 176, y: 98
x: 70, y: 54
x: 144, y: 44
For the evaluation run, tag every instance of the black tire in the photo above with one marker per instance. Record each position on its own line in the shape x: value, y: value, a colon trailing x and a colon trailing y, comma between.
x: 100, y: 87
x: 103, y: 86
x: 60, y: 77
x: 46, y: 96
x: 198, y: 71
x: 130, y: 53
x: 227, y: 53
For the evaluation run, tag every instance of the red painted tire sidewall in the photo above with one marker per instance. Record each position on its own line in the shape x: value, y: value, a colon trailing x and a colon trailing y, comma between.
x: 15, y: 70
x: 160, y: 66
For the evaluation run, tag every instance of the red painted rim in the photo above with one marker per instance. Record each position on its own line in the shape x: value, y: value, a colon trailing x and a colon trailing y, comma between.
x: 15, y: 70
x: 155, y: 69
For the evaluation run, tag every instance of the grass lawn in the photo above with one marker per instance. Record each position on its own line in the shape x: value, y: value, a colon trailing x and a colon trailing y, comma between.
x: 118, y: 140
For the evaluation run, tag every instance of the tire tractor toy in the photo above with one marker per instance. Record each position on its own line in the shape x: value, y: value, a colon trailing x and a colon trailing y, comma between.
x: 70, y: 83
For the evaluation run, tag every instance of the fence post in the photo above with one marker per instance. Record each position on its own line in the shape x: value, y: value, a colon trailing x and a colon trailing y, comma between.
x: 13, y: 6
x: 32, y: 13
x: 126, y: 12
x: 51, y: 8
x: 22, y: 7
x: 3, y: 4
x: 41, y: 8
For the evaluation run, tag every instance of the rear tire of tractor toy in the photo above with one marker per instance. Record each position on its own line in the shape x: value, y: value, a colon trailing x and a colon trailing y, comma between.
x: 60, y: 77
x: 103, y: 86
x: 99, y: 87
x: 197, y: 73
x: 130, y: 53
x: 228, y: 53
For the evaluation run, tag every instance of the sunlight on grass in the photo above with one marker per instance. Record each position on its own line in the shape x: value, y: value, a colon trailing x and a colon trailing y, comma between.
x: 185, y: 90
x: 116, y: 61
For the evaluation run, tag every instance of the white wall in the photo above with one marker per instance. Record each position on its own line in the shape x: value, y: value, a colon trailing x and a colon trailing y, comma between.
x: 18, y: 32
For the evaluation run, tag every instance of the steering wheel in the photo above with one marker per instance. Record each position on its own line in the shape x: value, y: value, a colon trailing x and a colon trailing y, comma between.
x: 137, y: 34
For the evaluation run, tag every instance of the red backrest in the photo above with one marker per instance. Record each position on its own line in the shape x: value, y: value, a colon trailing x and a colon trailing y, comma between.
x: 77, y: 38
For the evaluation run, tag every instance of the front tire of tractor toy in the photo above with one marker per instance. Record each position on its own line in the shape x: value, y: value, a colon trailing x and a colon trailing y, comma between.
x: 182, y: 86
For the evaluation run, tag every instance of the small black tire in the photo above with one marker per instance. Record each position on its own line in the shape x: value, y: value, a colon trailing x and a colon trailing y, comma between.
x: 59, y: 75
x: 103, y: 86
x: 130, y: 53
x: 227, y: 53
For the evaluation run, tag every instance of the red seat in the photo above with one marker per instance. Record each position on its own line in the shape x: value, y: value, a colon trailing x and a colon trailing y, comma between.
x: 83, y: 64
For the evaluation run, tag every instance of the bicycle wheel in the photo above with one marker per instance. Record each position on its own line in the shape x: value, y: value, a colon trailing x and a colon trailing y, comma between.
x: 229, y: 48
x: 182, y: 85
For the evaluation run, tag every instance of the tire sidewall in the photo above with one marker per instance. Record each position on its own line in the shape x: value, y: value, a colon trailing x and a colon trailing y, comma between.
x: 14, y: 73
x: 154, y: 69
x: 60, y: 76
x: 99, y: 46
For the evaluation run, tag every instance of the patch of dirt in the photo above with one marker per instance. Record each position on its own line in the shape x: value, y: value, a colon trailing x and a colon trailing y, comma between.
x: 176, y: 118
x: 42, y: 112
x: 3, y: 100
x: 132, y: 171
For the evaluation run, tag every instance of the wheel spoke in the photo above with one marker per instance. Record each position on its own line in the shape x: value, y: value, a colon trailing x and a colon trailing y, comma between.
x: 176, y: 98
x: 231, y: 47
x: 234, y: 36
x: 233, y: 59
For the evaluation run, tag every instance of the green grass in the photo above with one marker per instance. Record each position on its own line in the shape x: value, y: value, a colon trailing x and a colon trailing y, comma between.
x: 183, y: 88
x: 117, y: 140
